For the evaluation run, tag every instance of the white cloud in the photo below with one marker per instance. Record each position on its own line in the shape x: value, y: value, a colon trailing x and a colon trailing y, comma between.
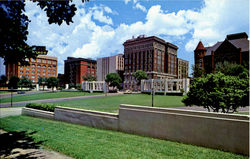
x: 140, y: 7
x: 84, y: 38
x: 126, y: 1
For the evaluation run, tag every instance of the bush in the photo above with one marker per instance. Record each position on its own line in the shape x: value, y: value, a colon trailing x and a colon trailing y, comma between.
x: 218, y: 92
x: 42, y: 106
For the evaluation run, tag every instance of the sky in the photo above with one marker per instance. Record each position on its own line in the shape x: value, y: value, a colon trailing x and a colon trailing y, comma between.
x: 102, y: 26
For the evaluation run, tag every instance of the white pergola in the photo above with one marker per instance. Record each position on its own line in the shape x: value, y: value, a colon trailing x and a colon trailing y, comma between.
x: 165, y: 85
x: 94, y: 86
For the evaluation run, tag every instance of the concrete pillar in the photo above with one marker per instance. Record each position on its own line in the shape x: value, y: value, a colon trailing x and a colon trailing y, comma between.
x: 93, y: 85
x: 66, y: 86
x: 165, y: 86
x: 142, y: 85
x: 37, y: 87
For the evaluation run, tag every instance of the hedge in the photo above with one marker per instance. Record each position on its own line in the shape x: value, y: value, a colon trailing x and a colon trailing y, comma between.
x: 42, y: 106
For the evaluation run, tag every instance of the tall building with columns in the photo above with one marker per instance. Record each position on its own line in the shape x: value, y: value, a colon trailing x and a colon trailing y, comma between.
x: 150, y: 54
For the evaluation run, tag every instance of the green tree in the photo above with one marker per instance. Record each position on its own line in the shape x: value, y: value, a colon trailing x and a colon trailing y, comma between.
x: 140, y: 75
x: 42, y: 81
x: 25, y: 82
x: 89, y: 77
x: 13, y: 82
x: 14, y: 26
x: 3, y: 80
x: 218, y: 92
x: 113, y: 80
x: 52, y: 82
x: 197, y: 71
x: 232, y: 69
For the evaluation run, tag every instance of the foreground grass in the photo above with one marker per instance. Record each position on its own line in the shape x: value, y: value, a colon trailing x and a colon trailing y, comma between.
x: 112, y: 103
x: 85, y: 142
x: 46, y: 95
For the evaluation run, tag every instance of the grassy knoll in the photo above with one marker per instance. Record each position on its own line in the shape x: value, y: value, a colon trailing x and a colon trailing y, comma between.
x: 46, y: 95
x: 111, y: 103
x: 85, y: 142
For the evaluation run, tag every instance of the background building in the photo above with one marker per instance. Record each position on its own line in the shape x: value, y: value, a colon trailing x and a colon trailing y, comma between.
x: 42, y: 66
x: 183, y: 68
x: 106, y: 65
x: 152, y: 55
x: 75, y: 68
x: 234, y: 49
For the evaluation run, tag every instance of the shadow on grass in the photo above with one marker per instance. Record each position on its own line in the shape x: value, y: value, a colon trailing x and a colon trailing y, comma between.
x: 18, y: 140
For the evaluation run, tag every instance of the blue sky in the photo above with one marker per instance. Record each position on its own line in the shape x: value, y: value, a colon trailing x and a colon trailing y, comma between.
x: 101, y: 26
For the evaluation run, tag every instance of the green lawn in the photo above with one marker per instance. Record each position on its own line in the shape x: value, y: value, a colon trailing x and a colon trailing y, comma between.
x: 112, y: 103
x: 46, y: 95
x: 85, y: 142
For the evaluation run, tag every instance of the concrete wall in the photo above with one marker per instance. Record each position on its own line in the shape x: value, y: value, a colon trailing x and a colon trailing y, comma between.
x: 219, y: 131
x: 86, y: 117
x: 226, y: 132
x: 38, y: 113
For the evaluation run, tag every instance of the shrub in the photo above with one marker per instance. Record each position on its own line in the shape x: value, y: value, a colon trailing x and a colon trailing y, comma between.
x: 218, y: 92
x: 42, y: 106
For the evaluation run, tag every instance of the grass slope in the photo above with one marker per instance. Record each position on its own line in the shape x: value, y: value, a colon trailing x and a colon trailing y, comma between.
x: 84, y: 142
x: 46, y: 95
x: 112, y: 103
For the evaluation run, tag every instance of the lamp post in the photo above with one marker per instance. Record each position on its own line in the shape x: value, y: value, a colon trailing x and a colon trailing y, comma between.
x: 152, y: 92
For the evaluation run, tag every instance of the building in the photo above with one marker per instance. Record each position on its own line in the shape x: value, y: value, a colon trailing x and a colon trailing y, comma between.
x: 183, y: 68
x: 106, y: 65
x: 75, y: 68
x: 42, y: 66
x: 234, y: 49
x: 152, y: 55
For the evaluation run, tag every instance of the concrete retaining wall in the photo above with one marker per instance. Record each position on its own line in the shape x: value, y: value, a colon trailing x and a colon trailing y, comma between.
x: 38, y: 113
x: 219, y: 131
x: 226, y: 132
x: 86, y: 117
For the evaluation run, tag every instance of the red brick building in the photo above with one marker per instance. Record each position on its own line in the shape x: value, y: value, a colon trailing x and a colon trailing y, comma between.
x: 42, y: 66
x: 234, y: 49
x: 75, y: 68
x: 152, y: 55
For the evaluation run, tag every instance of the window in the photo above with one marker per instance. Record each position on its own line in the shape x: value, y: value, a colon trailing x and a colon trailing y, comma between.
x: 27, y: 68
x: 27, y: 71
x: 44, y: 61
x: 44, y: 69
x: 21, y: 71
x: 38, y: 65
x: 49, y: 62
x: 33, y: 76
x: 38, y: 60
x: 44, y: 66
x: 33, y: 72
x: 38, y: 69
x: 33, y: 65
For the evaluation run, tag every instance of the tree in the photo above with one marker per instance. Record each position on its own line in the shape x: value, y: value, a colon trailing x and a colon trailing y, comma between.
x: 52, y: 82
x: 232, y: 69
x: 13, y: 82
x: 113, y: 80
x: 42, y: 81
x: 197, y: 71
x: 14, y: 26
x: 218, y: 92
x: 25, y: 82
x: 140, y: 75
x: 3, y: 80
x: 89, y: 77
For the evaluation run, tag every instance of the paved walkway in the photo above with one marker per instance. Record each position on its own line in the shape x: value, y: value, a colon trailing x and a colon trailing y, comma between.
x: 23, y: 103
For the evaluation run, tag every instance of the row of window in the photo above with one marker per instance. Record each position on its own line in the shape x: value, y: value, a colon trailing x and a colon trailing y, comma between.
x: 42, y: 61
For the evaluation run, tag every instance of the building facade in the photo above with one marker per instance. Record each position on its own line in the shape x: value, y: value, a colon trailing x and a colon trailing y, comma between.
x: 42, y: 66
x: 76, y: 68
x: 234, y: 49
x: 183, y: 68
x: 150, y: 54
x: 106, y: 65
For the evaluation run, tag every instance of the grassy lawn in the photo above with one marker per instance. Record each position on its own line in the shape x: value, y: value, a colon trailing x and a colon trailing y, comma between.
x: 112, y: 103
x: 46, y: 95
x: 85, y: 142
x: 243, y: 113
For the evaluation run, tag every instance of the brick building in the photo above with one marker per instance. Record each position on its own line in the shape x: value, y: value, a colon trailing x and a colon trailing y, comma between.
x: 42, y: 66
x: 75, y: 68
x: 152, y: 55
x: 234, y: 49
x: 183, y: 67
x: 106, y: 65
